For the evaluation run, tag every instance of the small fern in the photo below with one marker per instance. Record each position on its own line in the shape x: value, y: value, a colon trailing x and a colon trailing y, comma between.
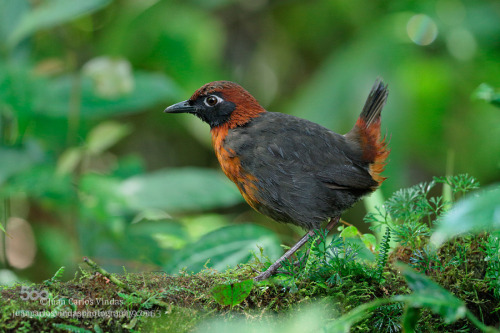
x: 383, y: 255
x: 459, y: 184
x: 492, y: 250
x: 56, y: 278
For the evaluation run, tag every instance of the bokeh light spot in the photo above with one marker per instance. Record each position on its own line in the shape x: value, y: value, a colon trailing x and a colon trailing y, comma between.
x: 461, y: 44
x: 20, y: 243
x: 421, y: 29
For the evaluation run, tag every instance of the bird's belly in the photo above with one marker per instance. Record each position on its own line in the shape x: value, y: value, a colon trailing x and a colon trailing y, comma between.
x: 284, y: 196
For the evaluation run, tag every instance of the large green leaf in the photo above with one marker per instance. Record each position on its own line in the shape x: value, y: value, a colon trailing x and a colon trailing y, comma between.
x: 51, y: 13
x: 475, y: 213
x: 12, y: 11
x: 187, y: 189
x: 152, y: 241
x: 228, y: 246
x: 105, y: 135
x: 149, y: 89
x: 232, y: 293
x: 429, y: 294
x: 148, y: 228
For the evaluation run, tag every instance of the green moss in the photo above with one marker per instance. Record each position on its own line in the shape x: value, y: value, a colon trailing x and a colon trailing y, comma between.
x: 459, y: 266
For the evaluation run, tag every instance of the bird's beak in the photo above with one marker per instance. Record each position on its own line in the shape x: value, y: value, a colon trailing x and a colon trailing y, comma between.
x: 181, y: 107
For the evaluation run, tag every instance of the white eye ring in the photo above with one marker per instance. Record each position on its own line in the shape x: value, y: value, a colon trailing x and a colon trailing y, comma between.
x: 212, y: 100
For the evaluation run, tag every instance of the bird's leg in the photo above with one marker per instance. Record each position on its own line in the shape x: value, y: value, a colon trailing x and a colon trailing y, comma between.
x: 274, y: 267
x: 331, y: 224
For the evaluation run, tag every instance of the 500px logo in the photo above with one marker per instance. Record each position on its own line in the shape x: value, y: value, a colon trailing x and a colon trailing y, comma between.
x: 32, y: 294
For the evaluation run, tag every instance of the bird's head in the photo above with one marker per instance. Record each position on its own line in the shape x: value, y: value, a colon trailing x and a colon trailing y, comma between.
x: 220, y: 102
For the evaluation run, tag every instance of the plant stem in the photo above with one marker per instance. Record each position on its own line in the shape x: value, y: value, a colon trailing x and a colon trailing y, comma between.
x: 74, y: 106
x: 71, y: 139
x: 479, y: 324
x: 3, y: 232
x: 447, y: 193
x: 102, y: 271
x: 6, y: 125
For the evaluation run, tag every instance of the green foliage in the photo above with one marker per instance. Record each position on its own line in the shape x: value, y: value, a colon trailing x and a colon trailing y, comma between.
x: 223, y: 248
x: 387, y: 318
x: 50, y: 14
x: 16, y: 160
x: 383, y: 255
x: 414, y: 211
x: 148, y: 90
x: 131, y: 300
x: 459, y: 184
x: 186, y: 189
x: 478, y: 207
x: 71, y: 328
x: 336, y: 263
x: 232, y: 293
x: 492, y: 251
x: 428, y: 294
x: 88, y: 159
x: 56, y: 278
x: 326, y: 262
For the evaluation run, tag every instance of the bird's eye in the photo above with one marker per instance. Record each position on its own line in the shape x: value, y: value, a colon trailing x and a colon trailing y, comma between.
x: 211, y: 100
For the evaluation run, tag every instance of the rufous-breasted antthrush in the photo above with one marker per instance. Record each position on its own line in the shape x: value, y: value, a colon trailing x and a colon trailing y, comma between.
x: 288, y: 168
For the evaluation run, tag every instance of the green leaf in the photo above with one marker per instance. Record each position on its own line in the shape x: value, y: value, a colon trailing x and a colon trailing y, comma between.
x: 227, y: 246
x: 428, y: 294
x: 349, y: 232
x: 149, y: 90
x: 69, y: 160
x: 56, y: 278
x: 232, y: 294
x: 370, y: 241
x: 12, y: 11
x: 187, y: 189
x: 152, y: 241
x: 345, y: 322
x: 151, y: 214
x: 148, y: 228
x: 410, y: 319
x: 51, y: 13
x: 475, y: 213
x: 105, y: 135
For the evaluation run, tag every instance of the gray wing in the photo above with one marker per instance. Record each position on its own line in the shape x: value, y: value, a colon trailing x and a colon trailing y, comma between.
x: 292, y: 146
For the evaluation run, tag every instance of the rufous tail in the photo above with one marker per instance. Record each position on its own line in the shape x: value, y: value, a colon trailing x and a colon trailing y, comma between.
x: 366, y: 131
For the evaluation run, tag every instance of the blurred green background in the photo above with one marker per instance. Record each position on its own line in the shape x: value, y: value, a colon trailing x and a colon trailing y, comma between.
x: 90, y: 166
